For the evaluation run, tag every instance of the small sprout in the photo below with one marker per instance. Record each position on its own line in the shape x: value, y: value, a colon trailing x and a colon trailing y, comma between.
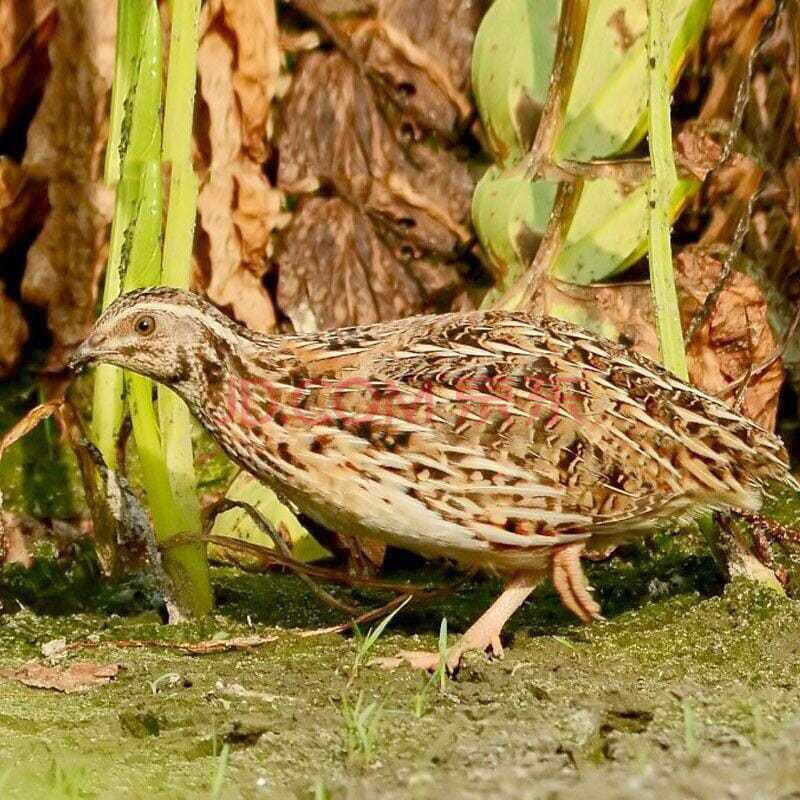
x: 439, y: 676
x: 219, y: 775
x: 366, y: 643
x: 690, y: 729
x: 361, y: 722
x: 322, y: 792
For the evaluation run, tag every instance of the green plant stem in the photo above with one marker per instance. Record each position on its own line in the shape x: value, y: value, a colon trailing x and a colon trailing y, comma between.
x: 176, y: 266
x: 181, y: 81
x: 109, y: 386
x: 134, y: 162
x: 662, y: 277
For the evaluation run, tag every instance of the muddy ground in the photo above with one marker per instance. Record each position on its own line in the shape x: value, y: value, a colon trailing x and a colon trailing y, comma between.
x: 690, y: 689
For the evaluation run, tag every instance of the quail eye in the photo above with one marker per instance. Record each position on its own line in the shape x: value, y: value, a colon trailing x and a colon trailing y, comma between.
x: 144, y: 325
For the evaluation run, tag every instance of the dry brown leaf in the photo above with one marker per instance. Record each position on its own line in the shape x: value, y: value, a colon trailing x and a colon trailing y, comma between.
x: 29, y: 422
x: 735, y: 336
x: 21, y: 536
x: 334, y: 135
x: 211, y: 646
x: 418, y: 52
x: 23, y: 202
x: 238, y: 66
x: 26, y: 27
x: 254, y: 28
x: 772, y: 124
x: 734, y: 29
x: 65, y: 146
x: 204, y: 648
x: 13, y: 333
x: 771, y: 135
x: 17, y: 534
x: 78, y: 677
x: 335, y: 270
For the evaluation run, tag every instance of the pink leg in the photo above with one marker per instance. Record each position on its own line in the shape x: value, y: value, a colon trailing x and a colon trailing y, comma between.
x: 483, y: 634
x: 571, y: 584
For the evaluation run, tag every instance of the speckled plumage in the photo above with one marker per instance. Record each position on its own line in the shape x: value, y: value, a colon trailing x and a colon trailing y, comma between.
x: 491, y: 438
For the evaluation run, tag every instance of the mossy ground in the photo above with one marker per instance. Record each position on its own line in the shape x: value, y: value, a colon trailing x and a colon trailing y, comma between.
x: 689, y: 689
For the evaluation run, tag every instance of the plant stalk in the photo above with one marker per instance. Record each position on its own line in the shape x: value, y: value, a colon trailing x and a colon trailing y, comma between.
x: 665, y: 178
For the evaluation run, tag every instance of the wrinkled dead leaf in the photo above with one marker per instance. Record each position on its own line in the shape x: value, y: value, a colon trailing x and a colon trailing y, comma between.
x: 417, y: 52
x: 77, y: 677
x: 65, y: 146
x: 29, y: 422
x: 21, y: 538
x: 26, y: 26
x: 204, y: 648
x: 335, y: 270
x: 13, y: 333
x: 253, y: 28
x: 699, y: 148
x: 238, y: 64
x: 735, y: 336
x: 333, y: 135
x: 416, y: 659
x: 19, y: 535
x: 23, y: 202
x: 770, y: 133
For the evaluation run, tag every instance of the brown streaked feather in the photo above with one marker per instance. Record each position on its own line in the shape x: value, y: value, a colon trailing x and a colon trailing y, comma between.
x: 485, y: 437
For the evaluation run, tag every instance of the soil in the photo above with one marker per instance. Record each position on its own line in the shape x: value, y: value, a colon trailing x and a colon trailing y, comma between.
x: 689, y: 689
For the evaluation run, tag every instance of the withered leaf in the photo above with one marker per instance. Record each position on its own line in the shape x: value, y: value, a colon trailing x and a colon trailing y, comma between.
x: 238, y: 65
x: 204, y: 648
x: 26, y: 26
x: 29, y: 422
x: 335, y: 270
x: 253, y: 27
x: 418, y: 51
x: 65, y: 146
x: 333, y: 135
x: 77, y: 677
x: 23, y: 202
x: 735, y: 336
x: 13, y: 333
x: 17, y: 536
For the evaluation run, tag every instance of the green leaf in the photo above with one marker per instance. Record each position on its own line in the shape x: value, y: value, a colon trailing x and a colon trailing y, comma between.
x: 144, y: 104
x: 607, y: 109
x: 609, y: 230
x: 238, y: 524
x: 511, y: 64
x: 510, y: 215
x: 130, y: 20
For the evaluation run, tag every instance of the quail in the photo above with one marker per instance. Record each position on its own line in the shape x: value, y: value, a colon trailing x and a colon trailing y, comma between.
x: 498, y: 440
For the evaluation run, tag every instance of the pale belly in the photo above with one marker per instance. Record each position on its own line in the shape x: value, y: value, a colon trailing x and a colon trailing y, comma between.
x: 381, y: 512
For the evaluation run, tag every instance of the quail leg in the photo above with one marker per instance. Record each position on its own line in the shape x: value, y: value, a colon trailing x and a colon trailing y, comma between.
x: 571, y: 584
x: 482, y: 635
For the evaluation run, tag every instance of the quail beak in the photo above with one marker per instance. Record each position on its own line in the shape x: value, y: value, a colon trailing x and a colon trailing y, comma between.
x: 82, y: 357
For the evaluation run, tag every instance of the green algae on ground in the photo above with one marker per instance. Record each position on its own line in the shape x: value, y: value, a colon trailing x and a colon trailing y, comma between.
x: 570, y: 709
